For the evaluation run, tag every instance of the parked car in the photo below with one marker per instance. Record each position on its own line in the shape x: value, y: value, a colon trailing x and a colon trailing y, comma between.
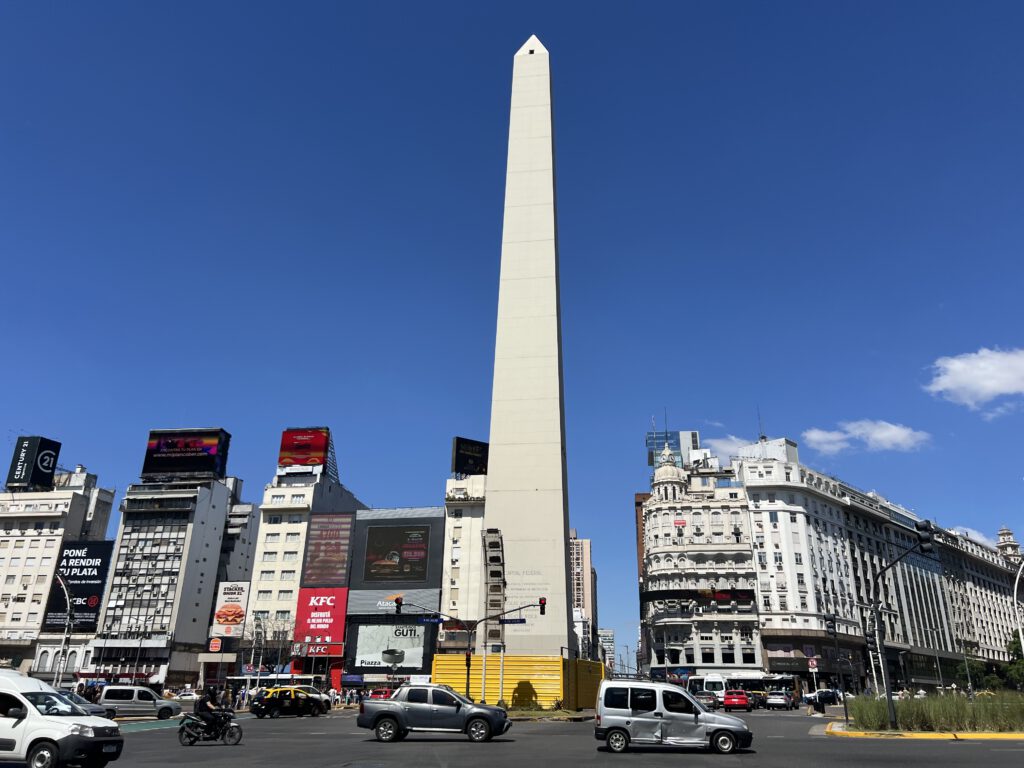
x: 779, y: 700
x: 42, y: 727
x: 737, y: 699
x: 286, y: 700
x: 380, y: 693
x: 647, y: 713
x: 88, y: 707
x: 137, y: 701
x: 190, y: 696
x: 431, y: 708
x: 708, y: 699
x: 825, y: 696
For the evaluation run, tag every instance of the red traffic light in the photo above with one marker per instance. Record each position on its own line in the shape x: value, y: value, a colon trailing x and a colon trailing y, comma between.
x: 543, y: 603
x: 398, y: 604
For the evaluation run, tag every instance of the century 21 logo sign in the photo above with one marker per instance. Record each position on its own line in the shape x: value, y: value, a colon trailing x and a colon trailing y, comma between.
x: 322, y: 601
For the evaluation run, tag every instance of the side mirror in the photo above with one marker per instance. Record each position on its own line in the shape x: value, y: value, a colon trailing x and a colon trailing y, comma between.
x: 17, y: 713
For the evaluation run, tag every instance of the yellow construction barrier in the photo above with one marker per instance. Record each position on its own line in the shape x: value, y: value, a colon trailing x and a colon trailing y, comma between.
x: 526, y: 682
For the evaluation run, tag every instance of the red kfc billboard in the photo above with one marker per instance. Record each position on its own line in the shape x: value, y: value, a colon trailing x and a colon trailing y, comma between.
x: 306, y: 447
x: 320, y: 617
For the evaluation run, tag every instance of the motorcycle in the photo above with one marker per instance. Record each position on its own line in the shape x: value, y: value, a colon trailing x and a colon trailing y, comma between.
x: 223, y: 728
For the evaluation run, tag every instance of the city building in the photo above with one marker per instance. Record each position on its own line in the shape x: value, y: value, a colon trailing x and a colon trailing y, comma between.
x: 301, y: 562
x: 40, y: 523
x: 820, y: 546
x: 526, y: 476
x: 168, y: 555
x: 606, y: 640
x: 697, y: 596
x: 584, y: 595
x: 464, y: 560
x: 395, y: 553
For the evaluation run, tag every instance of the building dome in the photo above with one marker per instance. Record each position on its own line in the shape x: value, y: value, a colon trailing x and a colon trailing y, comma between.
x: 667, y: 470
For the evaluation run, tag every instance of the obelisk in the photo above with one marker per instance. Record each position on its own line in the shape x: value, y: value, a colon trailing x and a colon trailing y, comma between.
x: 526, y: 479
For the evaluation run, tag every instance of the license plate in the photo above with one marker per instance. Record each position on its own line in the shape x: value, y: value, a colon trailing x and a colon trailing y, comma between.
x: 110, y: 747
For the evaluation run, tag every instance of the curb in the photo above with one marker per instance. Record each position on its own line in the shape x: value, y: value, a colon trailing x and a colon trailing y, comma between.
x: 925, y: 736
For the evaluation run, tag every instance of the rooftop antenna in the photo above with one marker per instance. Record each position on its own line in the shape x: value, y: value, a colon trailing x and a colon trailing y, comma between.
x: 760, y: 426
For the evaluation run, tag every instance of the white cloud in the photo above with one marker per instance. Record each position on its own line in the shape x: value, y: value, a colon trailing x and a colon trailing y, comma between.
x: 826, y: 441
x: 874, y: 435
x: 724, y: 447
x: 976, y: 535
x: 977, y: 378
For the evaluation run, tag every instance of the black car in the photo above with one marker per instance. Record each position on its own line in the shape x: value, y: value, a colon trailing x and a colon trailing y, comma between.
x: 286, y: 701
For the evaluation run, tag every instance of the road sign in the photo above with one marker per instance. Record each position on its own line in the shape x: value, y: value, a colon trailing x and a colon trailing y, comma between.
x: 511, y: 621
x: 429, y: 619
x: 812, y: 663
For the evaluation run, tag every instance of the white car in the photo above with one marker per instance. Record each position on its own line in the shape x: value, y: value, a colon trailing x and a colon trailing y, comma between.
x: 41, y: 727
x: 187, y: 696
x: 312, y: 692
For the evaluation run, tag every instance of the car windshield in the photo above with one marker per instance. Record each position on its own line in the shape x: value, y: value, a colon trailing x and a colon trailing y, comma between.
x: 75, y: 698
x: 457, y: 695
x: 54, y: 704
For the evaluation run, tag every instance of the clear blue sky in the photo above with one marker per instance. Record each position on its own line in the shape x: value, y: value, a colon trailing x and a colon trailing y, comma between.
x: 259, y: 215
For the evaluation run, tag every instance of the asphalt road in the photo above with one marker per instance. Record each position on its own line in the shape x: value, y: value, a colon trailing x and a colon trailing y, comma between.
x: 781, y: 739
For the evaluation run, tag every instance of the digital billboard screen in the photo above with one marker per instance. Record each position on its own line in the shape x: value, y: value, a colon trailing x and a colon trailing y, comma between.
x: 396, y: 553
x: 373, y: 639
x: 304, y: 447
x: 186, y: 452
x: 469, y: 457
x: 327, y: 550
x: 84, y: 566
x: 33, y: 463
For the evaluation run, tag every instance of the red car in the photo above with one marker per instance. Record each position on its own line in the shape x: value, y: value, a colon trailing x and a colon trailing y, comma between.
x: 380, y: 693
x: 737, y: 700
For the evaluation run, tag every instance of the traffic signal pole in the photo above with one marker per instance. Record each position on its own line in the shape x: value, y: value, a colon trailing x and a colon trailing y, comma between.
x: 471, y: 626
x: 925, y: 531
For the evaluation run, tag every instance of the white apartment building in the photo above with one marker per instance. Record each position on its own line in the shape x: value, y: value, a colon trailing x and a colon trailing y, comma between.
x: 697, y: 596
x: 819, y: 545
x: 463, y: 579
x: 33, y: 526
x: 288, y: 503
x: 583, y: 577
x: 606, y: 641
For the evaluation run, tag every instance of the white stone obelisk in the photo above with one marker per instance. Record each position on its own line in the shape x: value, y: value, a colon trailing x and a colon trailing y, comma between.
x: 526, y: 478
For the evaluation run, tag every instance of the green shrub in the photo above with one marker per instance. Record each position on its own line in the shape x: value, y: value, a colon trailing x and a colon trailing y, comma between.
x: 1001, y: 712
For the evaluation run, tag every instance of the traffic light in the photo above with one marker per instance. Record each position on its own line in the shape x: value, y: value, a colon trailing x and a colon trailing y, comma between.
x: 398, y: 604
x: 925, y: 535
x: 830, y: 624
x: 543, y: 603
x: 872, y: 643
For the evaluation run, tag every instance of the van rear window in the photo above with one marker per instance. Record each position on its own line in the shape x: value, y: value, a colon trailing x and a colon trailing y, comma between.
x: 616, y: 698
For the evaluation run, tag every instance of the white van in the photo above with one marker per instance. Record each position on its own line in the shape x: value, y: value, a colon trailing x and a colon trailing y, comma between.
x: 41, y: 727
x: 647, y: 713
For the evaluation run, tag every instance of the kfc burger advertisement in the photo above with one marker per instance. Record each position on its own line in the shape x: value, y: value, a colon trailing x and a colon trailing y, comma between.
x: 229, y: 610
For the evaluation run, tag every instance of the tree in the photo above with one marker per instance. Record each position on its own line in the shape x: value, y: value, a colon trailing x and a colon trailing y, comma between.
x: 976, y: 677
x: 1015, y: 669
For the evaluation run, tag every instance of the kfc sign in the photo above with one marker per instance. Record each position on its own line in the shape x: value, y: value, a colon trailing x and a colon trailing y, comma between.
x: 320, y: 616
x: 325, y: 649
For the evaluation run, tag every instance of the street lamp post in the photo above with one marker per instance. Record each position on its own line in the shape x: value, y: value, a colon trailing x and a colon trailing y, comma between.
x: 938, y: 666
x: 967, y: 667
x: 69, y: 622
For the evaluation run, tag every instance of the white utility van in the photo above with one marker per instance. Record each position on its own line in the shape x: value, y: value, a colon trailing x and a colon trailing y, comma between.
x: 43, y: 728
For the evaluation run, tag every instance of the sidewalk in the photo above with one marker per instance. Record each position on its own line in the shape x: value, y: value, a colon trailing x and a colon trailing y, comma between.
x: 839, y: 729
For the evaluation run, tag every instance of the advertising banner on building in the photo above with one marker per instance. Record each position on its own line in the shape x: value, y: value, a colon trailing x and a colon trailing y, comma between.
x: 84, y: 566
x: 229, y: 611
x: 375, y: 601
x: 396, y: 553
x: 328, y: 540
x: 373, y: 639
x: 469, y: 457
x: 186, y: 452
x: 33, y: 463
x: 320, y: 616
x: 304, y: 447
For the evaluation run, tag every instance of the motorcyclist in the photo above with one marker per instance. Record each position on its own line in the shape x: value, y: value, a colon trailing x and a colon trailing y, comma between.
x: 206, y: 708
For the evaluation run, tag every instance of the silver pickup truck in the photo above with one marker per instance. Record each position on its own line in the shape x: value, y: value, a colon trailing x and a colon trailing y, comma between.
x: 431, y: 708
